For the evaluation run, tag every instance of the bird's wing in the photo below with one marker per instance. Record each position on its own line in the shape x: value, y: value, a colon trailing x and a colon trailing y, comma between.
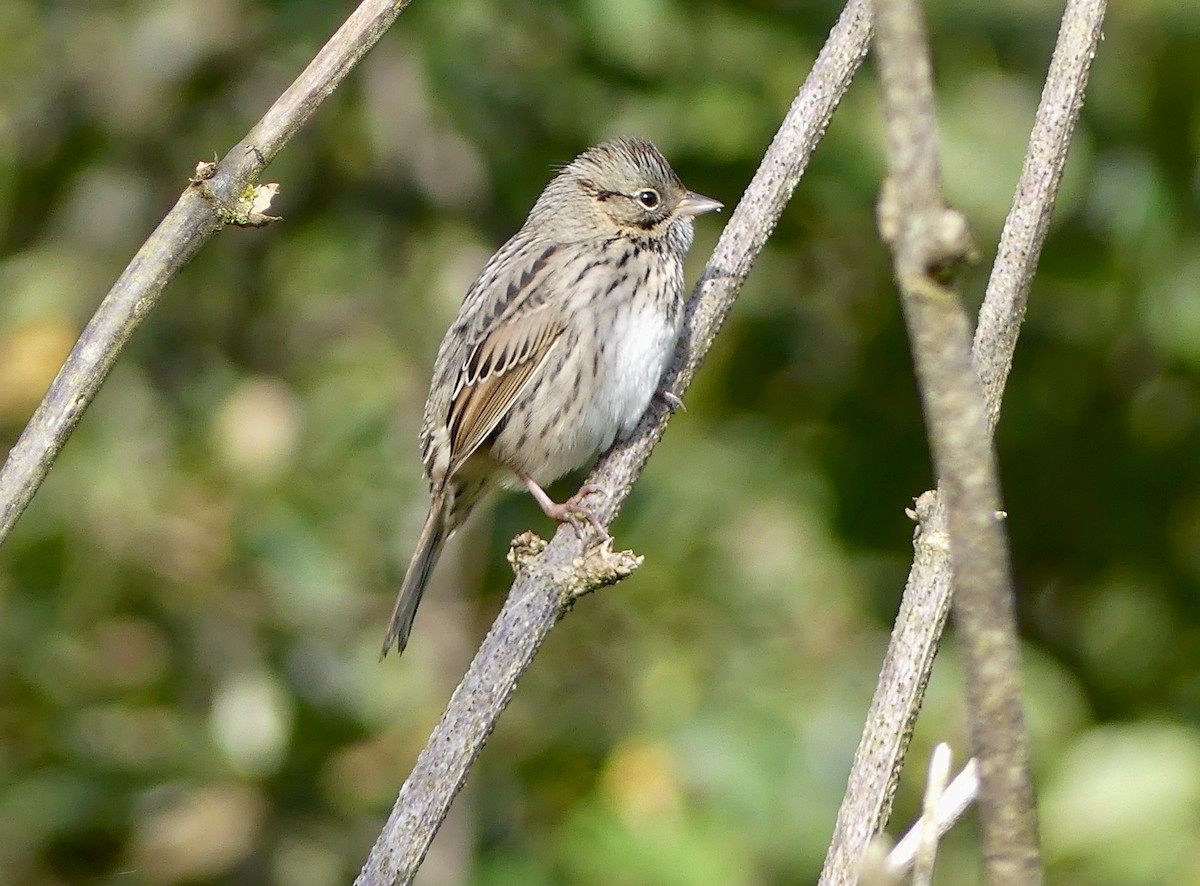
x: 497, y: 369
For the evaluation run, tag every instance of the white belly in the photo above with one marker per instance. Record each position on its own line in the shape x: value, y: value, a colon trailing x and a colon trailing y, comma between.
x: 631, y: 365
x: 645, y: 345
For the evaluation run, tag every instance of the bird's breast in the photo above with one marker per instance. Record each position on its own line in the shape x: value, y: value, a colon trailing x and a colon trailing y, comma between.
x: 595, y: 385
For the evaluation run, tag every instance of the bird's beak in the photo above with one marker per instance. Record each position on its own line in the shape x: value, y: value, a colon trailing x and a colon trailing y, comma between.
x: 697, y: 204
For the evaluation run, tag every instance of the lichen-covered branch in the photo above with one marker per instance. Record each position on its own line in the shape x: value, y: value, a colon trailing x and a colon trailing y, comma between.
x: 542, y: 590
x: 219, y: 194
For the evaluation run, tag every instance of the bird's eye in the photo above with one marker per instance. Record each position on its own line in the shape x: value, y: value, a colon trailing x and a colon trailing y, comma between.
x: 648, y: 198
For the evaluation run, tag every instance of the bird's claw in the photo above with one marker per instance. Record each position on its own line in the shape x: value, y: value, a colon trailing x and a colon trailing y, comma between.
x: 574, y: 508
x: 571, y: 511
x: 589, y: 489
x: 672, y: 400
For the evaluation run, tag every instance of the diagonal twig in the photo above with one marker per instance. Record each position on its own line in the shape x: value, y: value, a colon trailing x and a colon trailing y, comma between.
x: 549, y: 580
x: 1028, y: 220
x: 219, y: 194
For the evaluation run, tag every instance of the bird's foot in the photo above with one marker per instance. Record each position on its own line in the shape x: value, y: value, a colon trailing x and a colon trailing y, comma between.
x: 572, y: 510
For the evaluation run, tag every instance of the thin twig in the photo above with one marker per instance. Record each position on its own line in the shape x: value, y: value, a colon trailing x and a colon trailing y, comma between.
x: 948, y: 808
x: 1028, y: 220
x: 219, y: 194
x: 926, y: 828
x: 926, y: 600
x: 927, y: 240
x: 547, y: 583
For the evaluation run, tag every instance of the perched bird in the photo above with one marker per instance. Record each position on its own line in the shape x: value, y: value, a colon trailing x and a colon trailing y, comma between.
x: 559, y: 345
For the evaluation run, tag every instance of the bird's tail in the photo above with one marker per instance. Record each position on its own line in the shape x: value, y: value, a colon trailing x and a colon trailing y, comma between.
x: 429, y: 546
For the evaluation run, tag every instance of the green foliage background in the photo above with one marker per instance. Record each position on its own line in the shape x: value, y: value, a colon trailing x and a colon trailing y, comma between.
x: 191, y: 609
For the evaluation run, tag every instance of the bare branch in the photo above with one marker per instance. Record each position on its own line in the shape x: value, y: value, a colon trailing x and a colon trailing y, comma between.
x: 218, y: 194
x: 926, y: 601
x: 547, y: 583
x: 927, y: 239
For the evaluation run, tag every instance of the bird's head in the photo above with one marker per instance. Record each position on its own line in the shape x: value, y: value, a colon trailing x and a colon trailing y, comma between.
x: 621, y: 186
